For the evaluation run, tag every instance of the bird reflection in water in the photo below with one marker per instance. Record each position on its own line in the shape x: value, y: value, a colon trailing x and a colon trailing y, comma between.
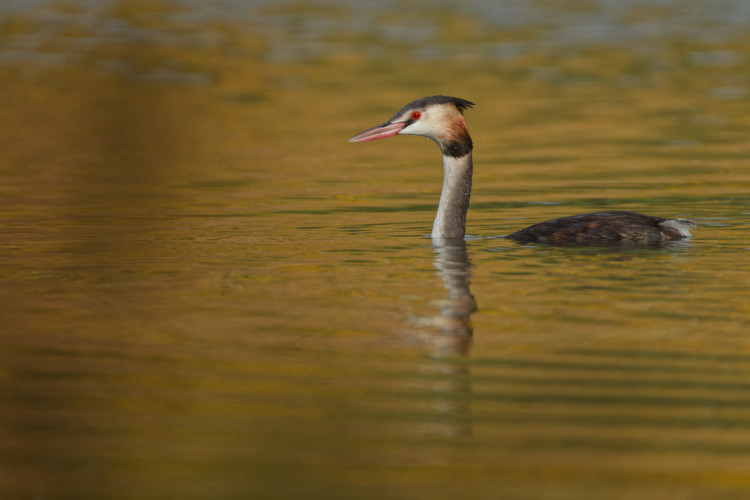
x: 447, y: 336
x: 450, y: 332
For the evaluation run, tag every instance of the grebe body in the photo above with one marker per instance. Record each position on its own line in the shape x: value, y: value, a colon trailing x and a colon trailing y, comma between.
x: 441, y: 119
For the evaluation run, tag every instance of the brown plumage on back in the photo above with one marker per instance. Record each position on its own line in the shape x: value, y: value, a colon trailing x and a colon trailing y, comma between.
x: 613, y: 227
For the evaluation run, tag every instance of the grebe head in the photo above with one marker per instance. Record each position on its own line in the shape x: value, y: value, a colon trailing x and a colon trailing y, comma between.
x: 437, y: 117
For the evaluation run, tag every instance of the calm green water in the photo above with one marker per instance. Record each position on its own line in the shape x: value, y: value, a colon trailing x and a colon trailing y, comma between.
x: 208, y: 293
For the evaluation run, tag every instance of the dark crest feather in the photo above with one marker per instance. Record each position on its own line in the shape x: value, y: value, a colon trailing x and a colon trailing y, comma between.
x: 425, y: 102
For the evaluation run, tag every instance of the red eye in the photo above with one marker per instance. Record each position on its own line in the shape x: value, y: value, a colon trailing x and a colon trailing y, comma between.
x: 415, y: 115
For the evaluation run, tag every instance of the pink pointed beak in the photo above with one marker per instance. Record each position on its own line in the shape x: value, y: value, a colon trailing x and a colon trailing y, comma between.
x: 380, y: 132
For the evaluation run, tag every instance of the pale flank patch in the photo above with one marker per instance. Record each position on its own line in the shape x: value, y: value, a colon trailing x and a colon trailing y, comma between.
x: 683, y: 226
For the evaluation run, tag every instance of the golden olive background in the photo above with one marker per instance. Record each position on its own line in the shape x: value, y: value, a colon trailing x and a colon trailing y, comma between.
x: 208, y: 293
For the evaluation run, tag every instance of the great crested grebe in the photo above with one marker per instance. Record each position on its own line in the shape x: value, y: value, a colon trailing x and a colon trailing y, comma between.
x: 441, y: 119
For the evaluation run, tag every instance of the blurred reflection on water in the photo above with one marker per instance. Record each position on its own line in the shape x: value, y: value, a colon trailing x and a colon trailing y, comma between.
x: 207, y: 293
x: 450, y: 332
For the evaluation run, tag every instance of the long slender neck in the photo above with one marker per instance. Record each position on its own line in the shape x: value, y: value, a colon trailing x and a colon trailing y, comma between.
x: 450, y: 221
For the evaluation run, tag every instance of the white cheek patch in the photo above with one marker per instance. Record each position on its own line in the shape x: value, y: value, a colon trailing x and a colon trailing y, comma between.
x: 419, y: 127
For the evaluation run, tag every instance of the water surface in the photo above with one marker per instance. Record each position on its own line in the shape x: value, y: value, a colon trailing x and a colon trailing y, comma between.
x: 208, y: 293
